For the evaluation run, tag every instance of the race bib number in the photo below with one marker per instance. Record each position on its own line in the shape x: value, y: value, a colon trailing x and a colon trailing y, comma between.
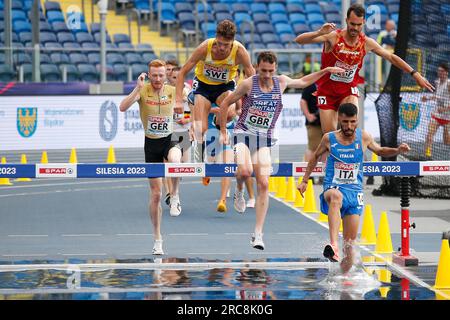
x: 216, y: 73
x: 159, y: 126
x: 348, y: 75
x: 194, y: 84
x: 321, y: 100
x: 261, y: 120
x: 345, y: 173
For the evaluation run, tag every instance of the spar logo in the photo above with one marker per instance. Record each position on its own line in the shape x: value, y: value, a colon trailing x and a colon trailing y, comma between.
x: 303, y: 169
x: 436, y: 168
x: 185, y: 170
x: 55, y: 171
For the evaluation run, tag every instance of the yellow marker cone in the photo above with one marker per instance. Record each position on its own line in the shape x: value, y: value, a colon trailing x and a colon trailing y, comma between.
x: 384, y: 291
x: 299, y: 200
x: 443, y: 270
x: 73, y: 156
x: 341, y: 227
x: 384, y: 242
x: 44, y: 158
x: 322, y: 217
x: 374, y: 157
x: 442, y: 294
x: 290, y: 191
x: 23, y: 160
x: 368, y: 234
x: 310, y: 199
x: 281, y: 192
x: 272, y: 184
x: 111, y: 155
x: 4, y: 181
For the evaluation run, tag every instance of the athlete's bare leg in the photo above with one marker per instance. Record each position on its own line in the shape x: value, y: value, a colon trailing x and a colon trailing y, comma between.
x: 261, y: 163
x: 328, y: 120
x: 350, y: 232
x: 155, y: 206
x: 200, y: 113
x: 334, y: 199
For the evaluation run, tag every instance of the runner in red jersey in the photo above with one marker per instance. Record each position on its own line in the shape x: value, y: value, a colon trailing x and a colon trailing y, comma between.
x: 346, y: 49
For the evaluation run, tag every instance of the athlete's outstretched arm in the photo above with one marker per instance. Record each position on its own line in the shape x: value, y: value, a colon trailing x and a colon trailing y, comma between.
x: 387, y: 152
x: 305, y: 81
x: 197, y: 55
x: 317, y: 36
x: 243, y: 58
x: 372, y: 45
x: 321, y: 149
x: 135, y: 95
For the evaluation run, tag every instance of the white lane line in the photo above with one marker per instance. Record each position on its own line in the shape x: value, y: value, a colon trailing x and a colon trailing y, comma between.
x: 188, y: 234
x: 237, y: 234
x: 138, y: 254
x: 269, y: 252
x: 208, y: 253
x: 83, y: 254
x: 82, y: 235
x: 133, y: 234
x: 27, y: 235
x: 25, y: 255
x: 297, y: 233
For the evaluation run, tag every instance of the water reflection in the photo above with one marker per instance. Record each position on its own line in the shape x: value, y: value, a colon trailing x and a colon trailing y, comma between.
x: 322, y: 283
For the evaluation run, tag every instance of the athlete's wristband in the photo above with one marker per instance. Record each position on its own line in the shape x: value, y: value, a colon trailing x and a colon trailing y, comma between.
x: 412, y: 72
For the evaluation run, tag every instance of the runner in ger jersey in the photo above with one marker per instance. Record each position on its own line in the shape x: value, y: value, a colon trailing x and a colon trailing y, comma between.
x: 342, y: 195
x: 346, y: 49
x: 156, y: 103
x: 253, y: 133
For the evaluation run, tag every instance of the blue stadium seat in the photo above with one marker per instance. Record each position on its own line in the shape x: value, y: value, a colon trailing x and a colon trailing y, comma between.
x: 263, y: 28
x: 25, y: 37
x: 282, y: 28
x: 18, y: 15
x: 28, y: 4
x: 6, y: 73
x: 59, y: 27
x: 45, y: 27
x: 393, y: 8
x: 91, y: 46
x: 186, y: 20
x: 261, y: 18
x: 41, y: 16
x: 258, y: 8
x: 183, y: 7
x: 247, y: 39
x: 137, y: 69
x: 277, y: 8
x: 65, y: 37
x: 279, y: 17
x: 52, y: 5
x: 301, y: 28
x: 114, y: 58
x: 84, y: 37
x: 270, y: 38
x: 209, y: 29
x: 315, y: 18
x: 2, y: 58
x: 287, y: 37
x: 59, y: 58
x: 73, y: 46
x: 77, y: 27
x: 97, y: 37
x: 21, y: 26
x: 126, y: 47
x: 15, y: 37
x: 21, y: 58
x: 329, y: 7
x: 71, y: 72
x: 295, y: 8
x: 121, y: 37
x: 445, y: 8
x: 201, y: 8
x: 297, y: 18
x: 50, y: 73
x: 88, y: 73
x: 223, y: 16
x: 240, y: 7
x: 333, y: 17
x: 273, y: 45
x: 77, y: 58
x: 53, y: 45
x: 239, y: 17
x: 45, y: 37
x: 93, y: 58
x: 312, y: 8
x: 120, y: 72
x: 54, y: 16
x: 148, y: 56
x: 221, y: 8
x: 168, y: 12
x: 95, y: 28
x: 144, y: 47
x: 133, y: 58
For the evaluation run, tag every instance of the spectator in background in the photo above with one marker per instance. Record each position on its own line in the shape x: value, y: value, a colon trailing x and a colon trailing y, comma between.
x: 386, y: 38
x: 308, y: 105
x: 308, y: 66
x: 441, y: 115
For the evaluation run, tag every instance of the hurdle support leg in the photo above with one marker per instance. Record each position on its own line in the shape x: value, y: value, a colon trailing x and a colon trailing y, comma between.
x: 403, y: 257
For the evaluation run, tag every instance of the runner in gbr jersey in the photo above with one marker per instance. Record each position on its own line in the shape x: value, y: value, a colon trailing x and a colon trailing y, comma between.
x: 156, y: 101
x: 346, y: 49
x: 253, y: 133
x: 216, y: 61
x: 342, y: 195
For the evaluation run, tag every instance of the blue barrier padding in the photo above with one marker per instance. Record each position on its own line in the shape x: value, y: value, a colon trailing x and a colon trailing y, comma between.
x: 120, y: 170
x: 391, y: 168
x: 12, y: 170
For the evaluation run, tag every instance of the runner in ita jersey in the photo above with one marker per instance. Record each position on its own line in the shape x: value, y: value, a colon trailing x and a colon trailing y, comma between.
x: 346, y: 49
x: 342, y: 195
x: 253, y: 133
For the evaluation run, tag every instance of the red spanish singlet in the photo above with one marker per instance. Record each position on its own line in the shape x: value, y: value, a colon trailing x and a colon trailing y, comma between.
x: 333, y: 88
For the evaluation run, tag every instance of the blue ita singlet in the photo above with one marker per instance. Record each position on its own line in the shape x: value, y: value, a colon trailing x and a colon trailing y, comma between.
x: 260, y: 110
x: 345, y: 164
